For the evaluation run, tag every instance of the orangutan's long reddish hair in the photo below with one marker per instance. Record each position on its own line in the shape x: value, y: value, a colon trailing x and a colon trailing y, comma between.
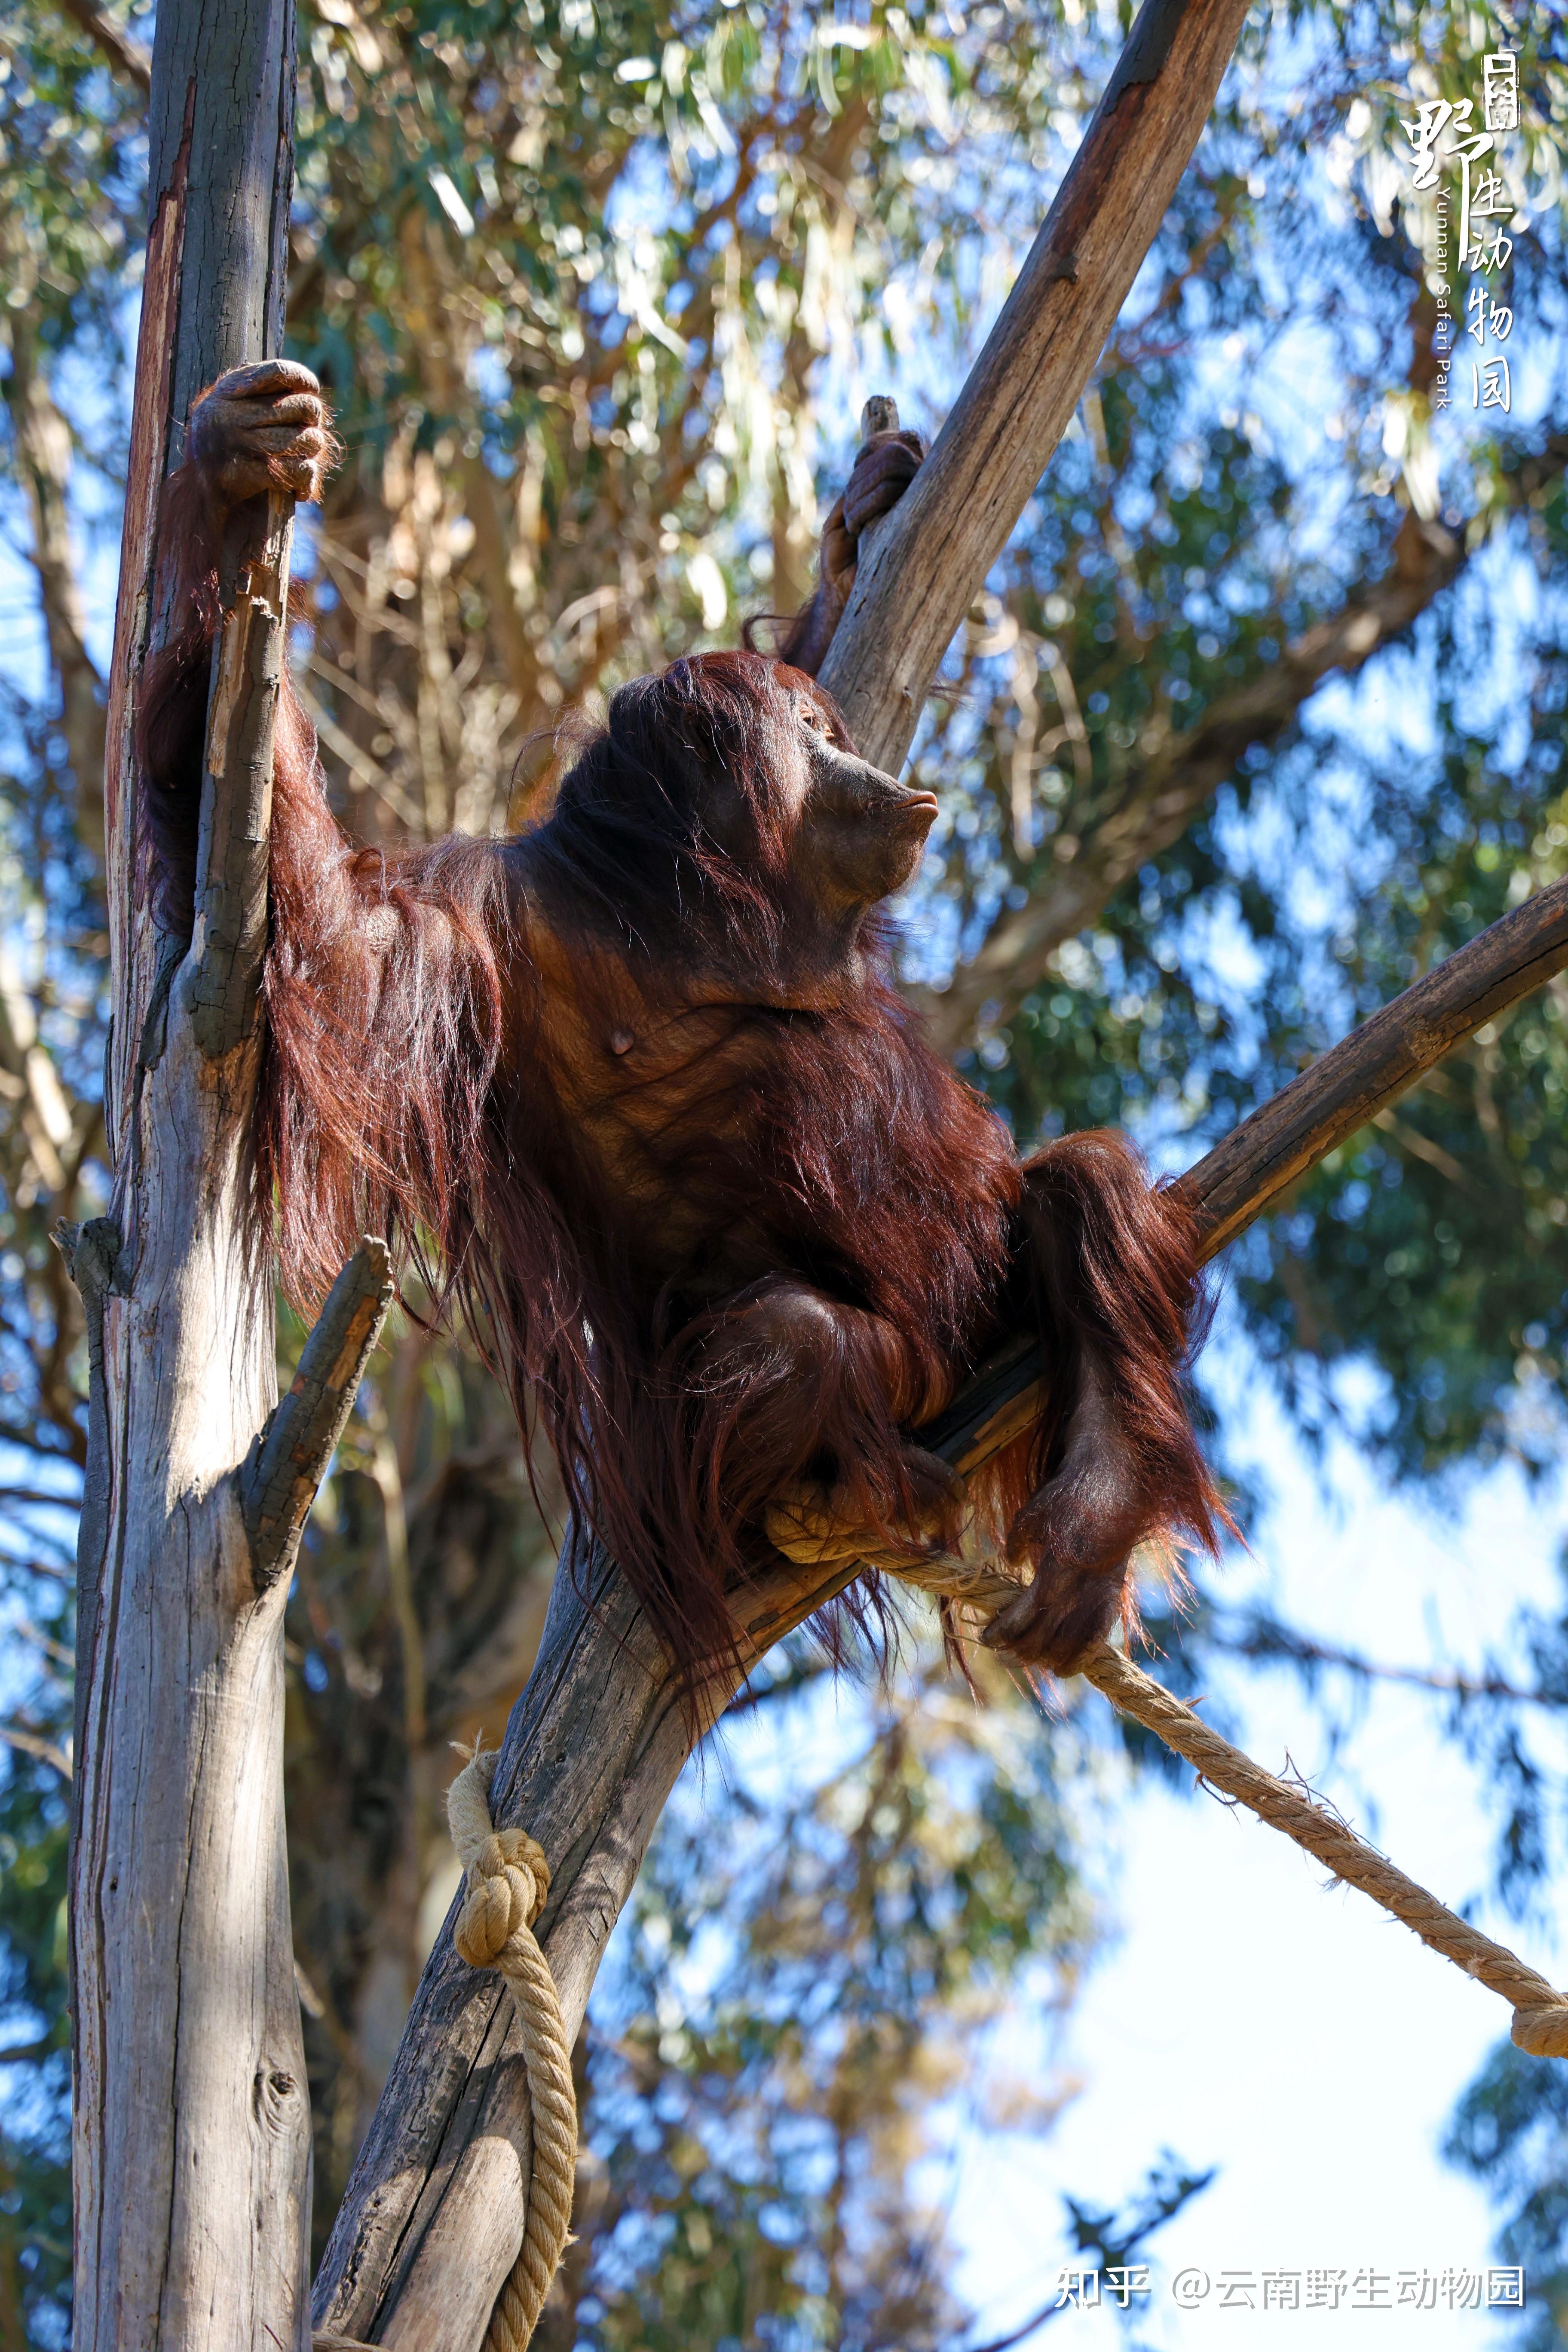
x: 412, y: 1084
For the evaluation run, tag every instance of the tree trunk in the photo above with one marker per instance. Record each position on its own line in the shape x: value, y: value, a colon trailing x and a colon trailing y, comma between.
x: 431, y: 2221
x: 192, y: 2139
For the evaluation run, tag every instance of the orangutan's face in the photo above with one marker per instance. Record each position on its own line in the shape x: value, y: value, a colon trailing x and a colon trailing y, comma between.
x: 859, y: 833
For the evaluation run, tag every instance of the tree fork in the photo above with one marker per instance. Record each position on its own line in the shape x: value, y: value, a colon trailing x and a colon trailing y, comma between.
x: 285, y: 1467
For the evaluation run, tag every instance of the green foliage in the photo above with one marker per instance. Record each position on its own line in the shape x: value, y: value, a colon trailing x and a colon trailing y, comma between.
x: 69, y: 128
x: 1441, y: 1233
x: 1430, y: 1244
x: 1510, y: 2131
x: 34, y: 2059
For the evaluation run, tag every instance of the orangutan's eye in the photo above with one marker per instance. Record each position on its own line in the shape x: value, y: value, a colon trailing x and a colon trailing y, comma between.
x: 811, y: 717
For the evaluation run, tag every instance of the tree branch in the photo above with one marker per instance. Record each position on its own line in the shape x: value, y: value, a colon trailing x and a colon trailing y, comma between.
x: 1263, y: 1638
x: 918, y: 581
x: 126, y: 56
x: 1244, y: 1175
x: 17, y: 2053
x: 44, y: 449
x: 288, y: 1460
x: 430, y: 2222
x: 33, y: 1743
x: 1269, y: 1151
x: 1181, y: 773
x: 44, y: 1117
x: 221, y: 983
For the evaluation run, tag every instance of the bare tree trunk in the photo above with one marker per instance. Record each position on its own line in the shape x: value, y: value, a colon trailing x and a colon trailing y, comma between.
x: 192, y: 2139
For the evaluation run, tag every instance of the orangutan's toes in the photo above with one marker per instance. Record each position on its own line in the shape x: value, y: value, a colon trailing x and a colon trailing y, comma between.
x: 1062, y: 1616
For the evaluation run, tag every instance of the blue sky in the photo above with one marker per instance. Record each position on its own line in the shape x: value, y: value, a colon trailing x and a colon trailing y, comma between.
x: 1251, y: 2016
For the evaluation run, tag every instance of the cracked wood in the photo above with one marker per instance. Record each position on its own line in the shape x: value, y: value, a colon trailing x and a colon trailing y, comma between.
x: 191, y: 2126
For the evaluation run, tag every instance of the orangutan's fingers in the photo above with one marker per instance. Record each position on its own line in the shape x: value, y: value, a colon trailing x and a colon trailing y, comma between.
x: 883, y: 472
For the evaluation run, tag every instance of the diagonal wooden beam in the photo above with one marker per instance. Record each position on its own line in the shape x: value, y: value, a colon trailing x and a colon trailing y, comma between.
x: 1270, y: 1149
x: 916, y: 579
x: 1244, y: 1176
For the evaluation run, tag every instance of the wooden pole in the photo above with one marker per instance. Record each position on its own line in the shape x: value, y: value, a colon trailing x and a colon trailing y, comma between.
x: 1348, y: 1086
x: 916, y: 579
x: 192, y: 2147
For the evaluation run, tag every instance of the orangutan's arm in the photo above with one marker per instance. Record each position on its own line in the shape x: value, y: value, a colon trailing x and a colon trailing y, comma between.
x: 883, y: 471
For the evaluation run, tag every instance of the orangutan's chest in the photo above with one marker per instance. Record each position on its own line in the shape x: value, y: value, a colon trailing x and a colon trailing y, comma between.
x: 667, y: 1115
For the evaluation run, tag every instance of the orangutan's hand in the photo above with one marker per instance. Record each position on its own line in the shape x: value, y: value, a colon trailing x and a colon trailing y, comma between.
x: 260, y: 428
x: 883, y: 472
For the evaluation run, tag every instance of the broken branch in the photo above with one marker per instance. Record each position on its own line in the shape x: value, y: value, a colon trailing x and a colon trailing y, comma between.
x: 222, y: 984
x: 289, y: 1459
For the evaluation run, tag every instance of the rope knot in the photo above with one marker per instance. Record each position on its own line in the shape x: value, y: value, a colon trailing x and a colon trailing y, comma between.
x: 508, y: 1877
x: 1542, y: 2031
x: 508, y: 1882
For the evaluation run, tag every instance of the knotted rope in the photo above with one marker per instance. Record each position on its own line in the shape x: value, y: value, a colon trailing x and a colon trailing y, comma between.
x: 508, y: 1879
x: 976, y: 1584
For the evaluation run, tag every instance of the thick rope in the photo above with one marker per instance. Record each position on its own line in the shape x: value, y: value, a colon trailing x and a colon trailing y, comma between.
x: 1539, y: 2010
x: 508, y: 1880
x: 975, y: 1583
